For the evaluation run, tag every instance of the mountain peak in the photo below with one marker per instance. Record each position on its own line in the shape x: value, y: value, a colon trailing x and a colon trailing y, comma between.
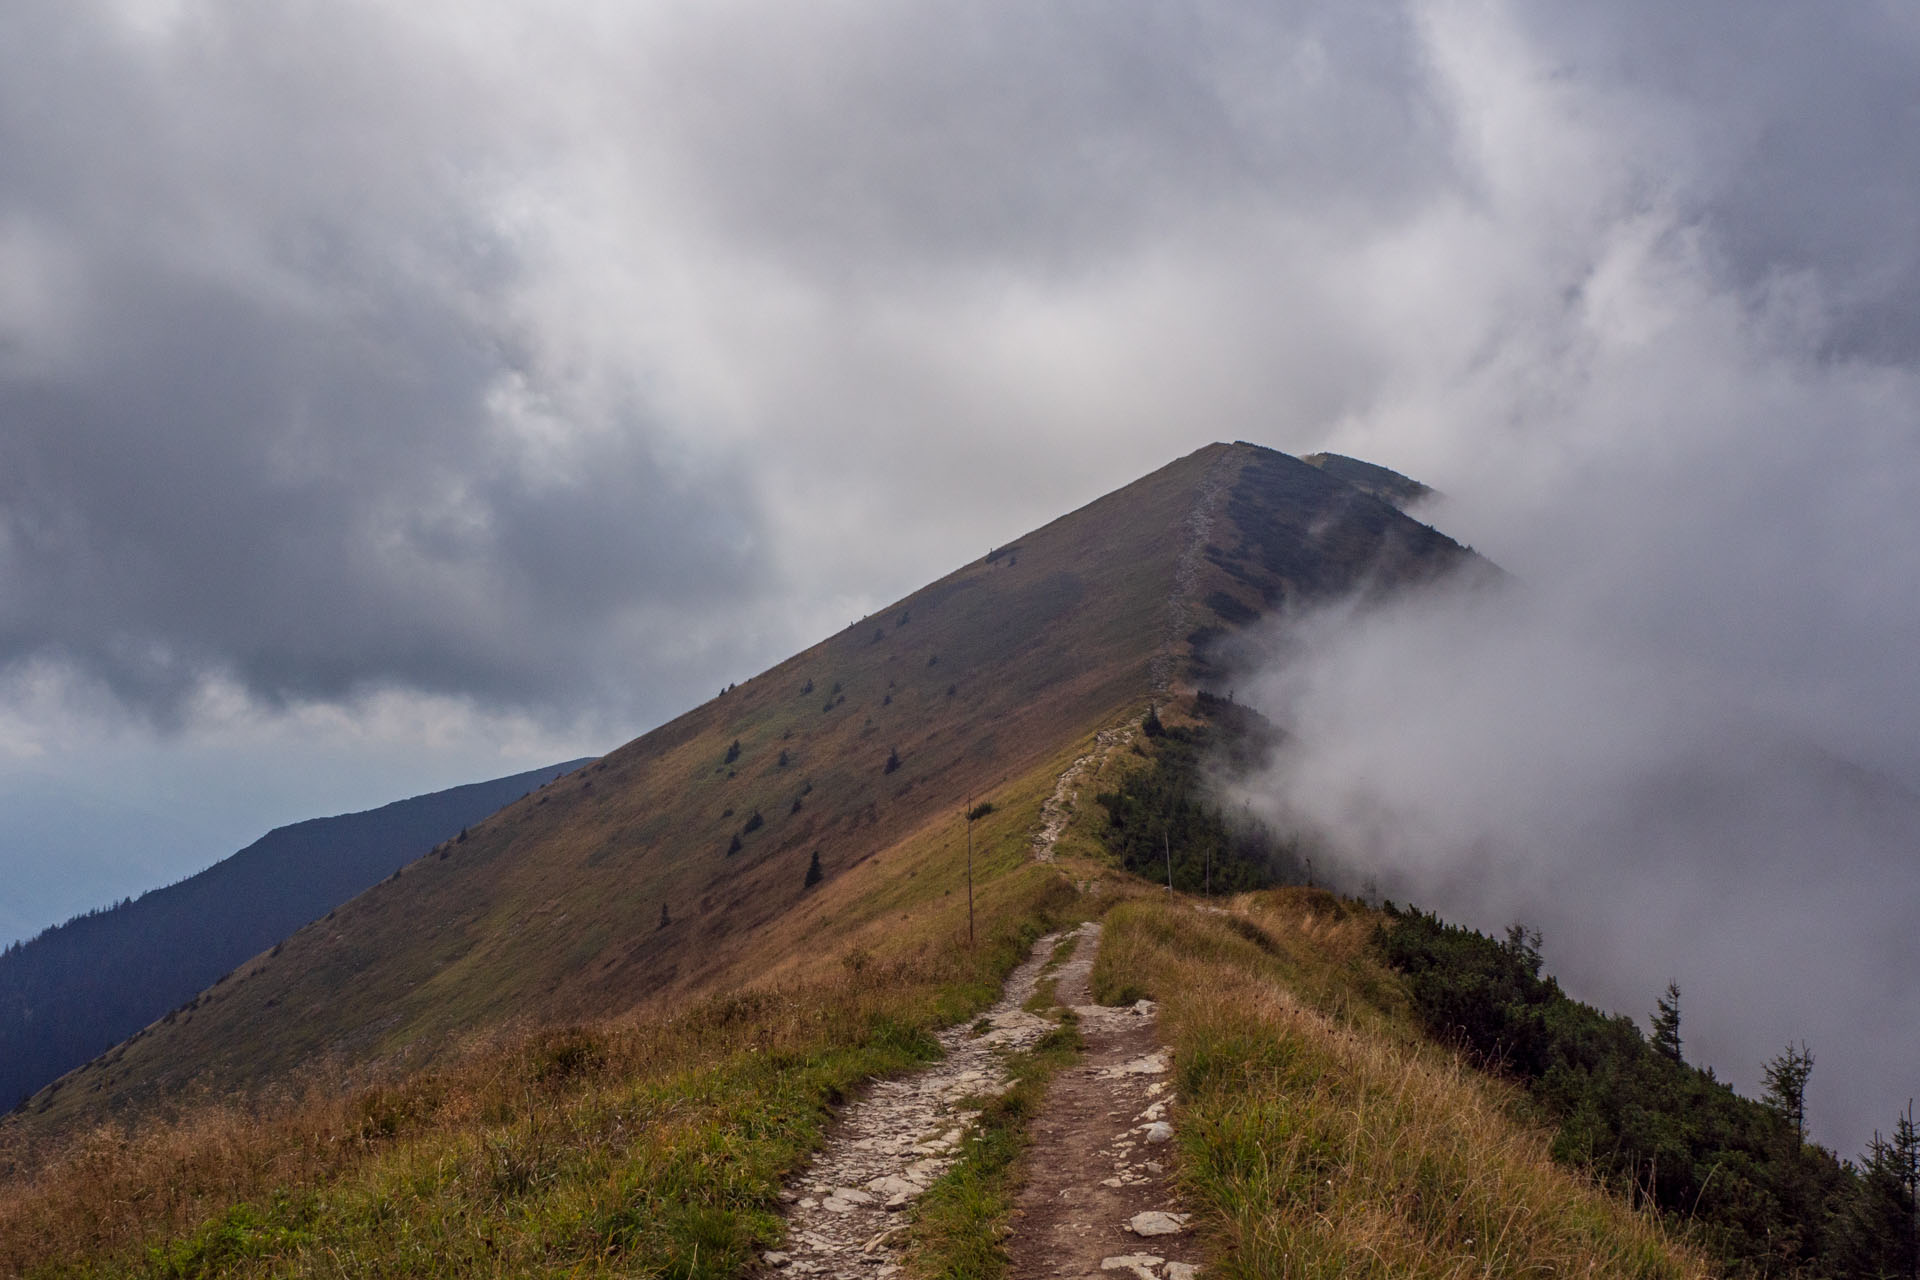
x: 1369, y: 477
x: 676, y: 864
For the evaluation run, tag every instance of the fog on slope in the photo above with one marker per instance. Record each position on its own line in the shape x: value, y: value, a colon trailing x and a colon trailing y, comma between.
x: 1679, y: 740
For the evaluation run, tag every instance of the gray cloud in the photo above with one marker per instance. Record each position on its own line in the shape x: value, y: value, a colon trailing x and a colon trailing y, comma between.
x: 1684, y: 743
x: 565, y: 363
x: 269, y: 414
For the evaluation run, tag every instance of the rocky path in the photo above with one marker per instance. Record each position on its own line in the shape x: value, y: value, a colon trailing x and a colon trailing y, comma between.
x: 843, y: 1214
x: 1057, y: 809
x: 1098, y: 1199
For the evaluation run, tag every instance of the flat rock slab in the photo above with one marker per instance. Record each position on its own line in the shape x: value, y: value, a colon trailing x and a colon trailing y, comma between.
x: 1101, y: 1158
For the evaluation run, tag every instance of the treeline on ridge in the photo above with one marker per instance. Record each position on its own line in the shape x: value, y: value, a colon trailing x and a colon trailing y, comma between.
x: 1165, y: 813
x: 1734, y: 1173
x: 1738, y: 1174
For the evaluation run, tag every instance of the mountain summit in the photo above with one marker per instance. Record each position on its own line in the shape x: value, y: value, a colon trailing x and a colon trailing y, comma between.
x: 680, y: 861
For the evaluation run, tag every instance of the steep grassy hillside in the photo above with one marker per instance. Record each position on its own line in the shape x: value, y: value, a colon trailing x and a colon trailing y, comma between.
x: 81, y: 987
x: 647, y: 1144
x: 1323, y: 1135
x: 675, y: 864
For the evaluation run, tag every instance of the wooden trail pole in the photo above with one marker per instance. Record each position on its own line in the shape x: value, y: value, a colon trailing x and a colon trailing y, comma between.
x: 1166, y: 842
x: 968, y: 818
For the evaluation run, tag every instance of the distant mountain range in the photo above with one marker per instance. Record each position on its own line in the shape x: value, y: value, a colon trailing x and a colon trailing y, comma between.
x: 83, y: 986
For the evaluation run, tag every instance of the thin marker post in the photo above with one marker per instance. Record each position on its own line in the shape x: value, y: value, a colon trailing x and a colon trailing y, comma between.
x: 968, y: 816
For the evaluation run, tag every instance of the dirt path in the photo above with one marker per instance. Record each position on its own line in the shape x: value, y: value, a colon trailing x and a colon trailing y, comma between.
x: 1098, y: 1200
x: 842, y: 1215
x: 1057, y: 810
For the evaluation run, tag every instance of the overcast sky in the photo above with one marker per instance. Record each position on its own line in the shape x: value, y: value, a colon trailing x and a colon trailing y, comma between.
x: 396, y: 395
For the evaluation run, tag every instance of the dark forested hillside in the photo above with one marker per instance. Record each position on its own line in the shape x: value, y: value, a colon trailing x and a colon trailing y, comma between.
x: 1739, y: 1175
x: 81, y: 987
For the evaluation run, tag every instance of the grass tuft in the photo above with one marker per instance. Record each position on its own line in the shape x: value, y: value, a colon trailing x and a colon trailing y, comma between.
x: 1321, y: 1135
x: 654, y: 1146
x: 961, y: 1225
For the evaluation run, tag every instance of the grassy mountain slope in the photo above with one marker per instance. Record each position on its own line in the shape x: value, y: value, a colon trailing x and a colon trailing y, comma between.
x: 78, y: 988
x: 551, y: 909
x: 1321, y: 1133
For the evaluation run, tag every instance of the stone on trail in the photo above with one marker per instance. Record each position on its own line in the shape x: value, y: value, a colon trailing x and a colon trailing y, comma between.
x: 1159, y: 1131
x: 1156, y: 1223
x: 774, y: 1258
x: 1152, y: 1065
x: 1182, y: 1271
x: 1141, y: 1264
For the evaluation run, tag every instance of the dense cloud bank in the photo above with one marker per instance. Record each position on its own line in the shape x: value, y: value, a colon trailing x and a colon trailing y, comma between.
x: 453, y: 372
x: 499, y: 352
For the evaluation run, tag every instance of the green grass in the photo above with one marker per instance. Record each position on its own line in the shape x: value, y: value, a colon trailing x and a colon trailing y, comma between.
x: 961, y: 1224
x: 1045, y: 996
x: 1322, y: 1135
x: 653, y: 1148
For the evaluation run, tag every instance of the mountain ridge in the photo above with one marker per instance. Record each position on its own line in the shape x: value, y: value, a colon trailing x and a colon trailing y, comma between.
x: 611, y: 1030
x: 864, y: 742
x: 77, y: 988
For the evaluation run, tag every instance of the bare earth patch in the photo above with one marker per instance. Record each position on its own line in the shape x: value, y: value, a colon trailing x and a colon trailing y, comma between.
x: 1098, y: 1196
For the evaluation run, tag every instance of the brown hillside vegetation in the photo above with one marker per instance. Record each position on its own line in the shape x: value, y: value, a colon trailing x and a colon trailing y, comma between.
x: 550, y: 911
x: 504, y: 1063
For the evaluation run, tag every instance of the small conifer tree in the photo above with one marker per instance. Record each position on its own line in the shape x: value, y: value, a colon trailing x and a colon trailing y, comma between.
x: 1151, y: 726
x: 666, y: 918
x: 733, y: 752
x: 814, y: 874
x: 1786, y: 1078
x: 734, y: 846
x: 1523, y: 944
x: 1666, y: 1024
x: 893, y: 760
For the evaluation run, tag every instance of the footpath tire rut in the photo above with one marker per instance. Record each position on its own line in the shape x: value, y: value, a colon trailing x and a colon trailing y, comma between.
x: 843, y: 1214
x: 1098, y: 1200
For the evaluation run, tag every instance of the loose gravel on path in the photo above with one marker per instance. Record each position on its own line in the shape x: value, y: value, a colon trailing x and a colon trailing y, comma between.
x: 1098, y: 1199
x: 843, y: 1214
x: 1057, y: 810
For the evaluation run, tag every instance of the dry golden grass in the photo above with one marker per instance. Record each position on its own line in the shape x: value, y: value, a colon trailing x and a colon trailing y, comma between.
x: 550, y: 907
x: 652, y: 1145
x: 1322, y: 1137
